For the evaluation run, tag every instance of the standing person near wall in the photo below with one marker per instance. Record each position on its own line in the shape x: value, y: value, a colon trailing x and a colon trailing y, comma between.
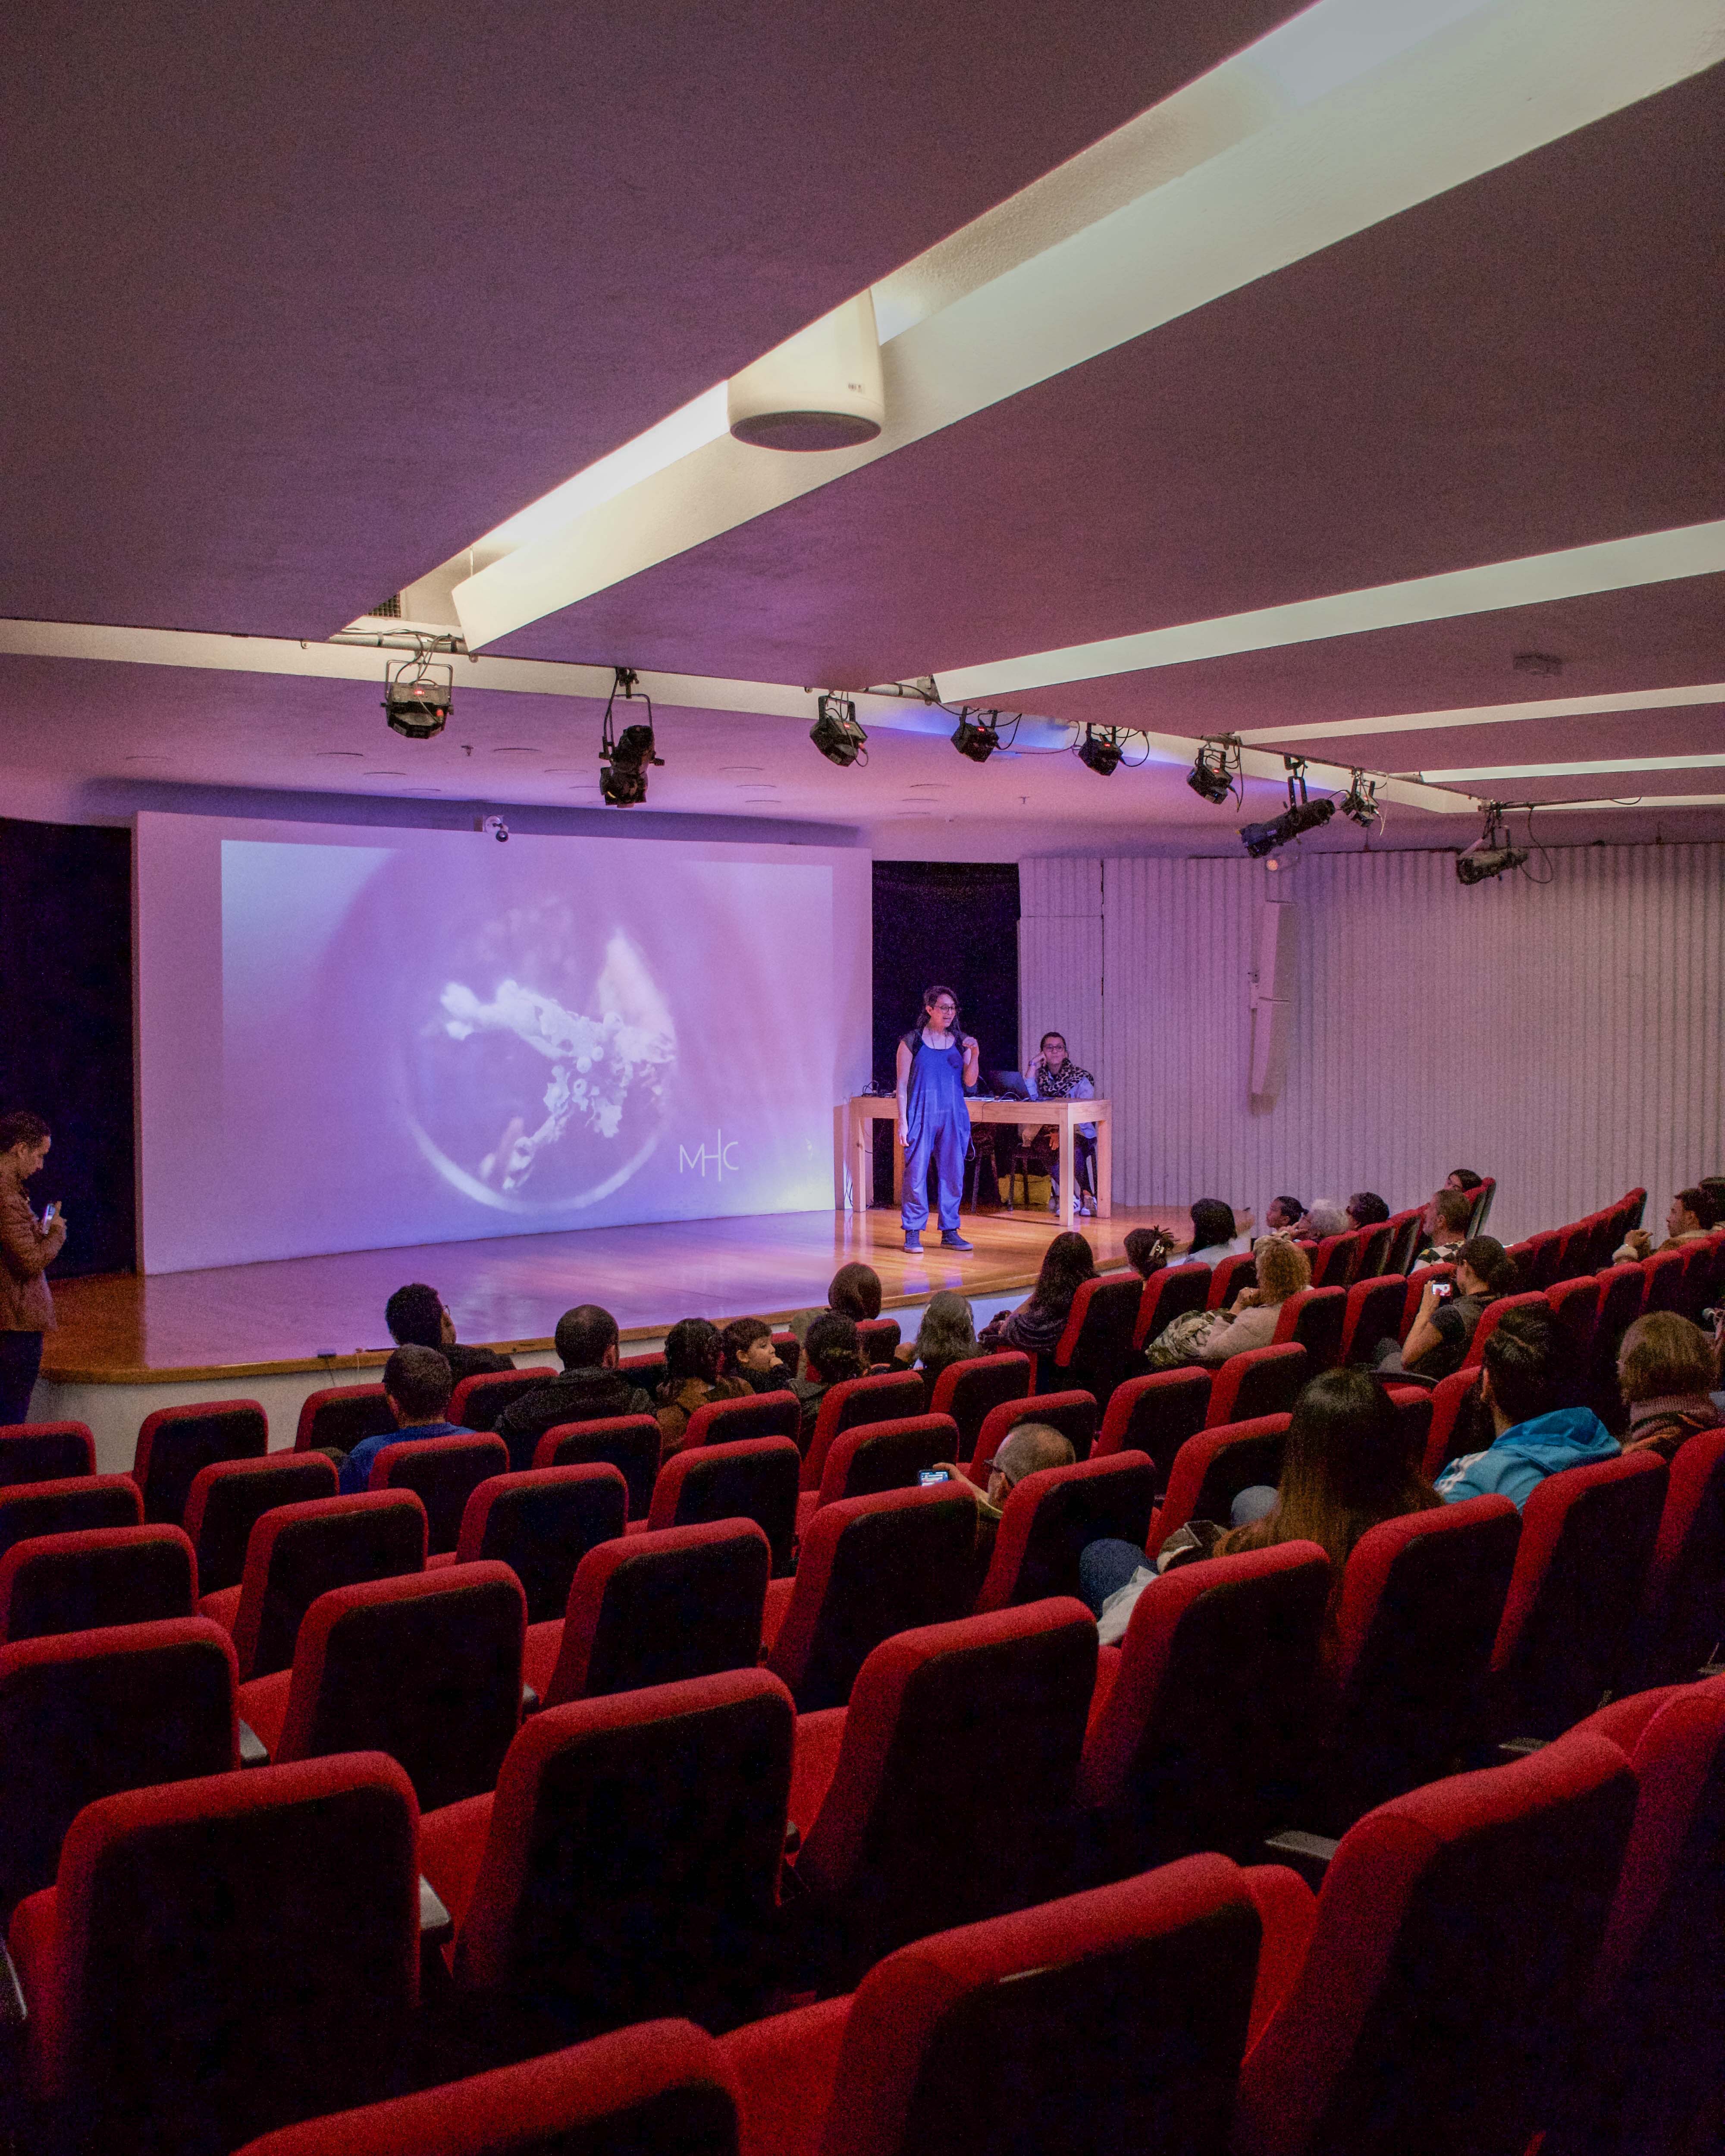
x: 28, y: 1247
x: 936, y: 1062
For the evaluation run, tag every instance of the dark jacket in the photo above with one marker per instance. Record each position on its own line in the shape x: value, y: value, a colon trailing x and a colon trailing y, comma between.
x: 472, y: 1362
x: 574, y: 1396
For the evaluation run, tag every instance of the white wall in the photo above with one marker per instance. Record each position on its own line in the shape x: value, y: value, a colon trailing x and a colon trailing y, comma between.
x: 1566, y: 1037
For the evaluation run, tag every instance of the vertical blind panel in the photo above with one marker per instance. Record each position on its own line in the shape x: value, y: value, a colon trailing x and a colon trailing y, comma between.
x: 1060, y: 960
x: 1564, y: 1037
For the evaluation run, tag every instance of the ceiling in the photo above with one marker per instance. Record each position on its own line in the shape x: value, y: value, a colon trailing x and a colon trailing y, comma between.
x: 303, y: 300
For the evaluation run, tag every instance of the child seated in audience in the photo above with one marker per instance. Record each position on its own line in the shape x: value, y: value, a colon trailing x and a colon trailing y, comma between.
x: 1283, y: 1214
x: 417, y: 1317
x: 1665, y: 1373
x: 1443, y: 1327
x: 416, y: 1382
x: 1521, y: 1381
x: 1691, y: 1216
x: 693, y: 1351
x: 1345, y: 1468
x: 1447, y: 1214
x: 831, y: 1353
x: 1211, y: 1335
x: 1036, y: 1325
x: 946, y: 1335
x: 1147, y: 1249
x: 750, y: 1355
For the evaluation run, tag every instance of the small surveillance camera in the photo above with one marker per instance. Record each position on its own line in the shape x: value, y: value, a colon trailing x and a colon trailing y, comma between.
x: 494, y: 827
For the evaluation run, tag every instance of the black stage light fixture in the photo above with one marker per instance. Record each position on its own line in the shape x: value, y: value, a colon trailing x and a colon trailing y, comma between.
x: 1211, y: 774
x: 626, y: 756
x: 417, y: 698
x: 835, y: 733
x: 1359, y: 804
x: 1299, y: 817
x: 977, y: 738
x: 1100, y: 750
x: 1491, y: 854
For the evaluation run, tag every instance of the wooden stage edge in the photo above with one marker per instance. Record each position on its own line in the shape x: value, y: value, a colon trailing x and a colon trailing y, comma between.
x: 290, y: 1315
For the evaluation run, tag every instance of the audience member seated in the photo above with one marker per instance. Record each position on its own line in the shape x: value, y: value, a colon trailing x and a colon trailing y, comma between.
x: 831, y: 1353
x: 749, y: 1353
x: 416, y: 1382
x: 1346, y: 1468
x: 946, y: 1335
x: 1463, y: 1178
x: 1283, y: 1214
x: 1712, y: 1188
x: 418, y: 1318
x: 589, y: 1388
x: 1325, y: 1218
x: 1037, y: 1323
x: 1665, y: 1373
x: 1218, y: 1232
x: 1025, y: 1449
x: 853, y: 1291
x: 1445, y: 1225
x: 1147, y: 1249
x: 1521, y: 1382
x: 1366, y: 1209
x: 694, y: 1354
x: 1691, y: 1216
x: 1212, y: 1336
x: 1443, y: 1326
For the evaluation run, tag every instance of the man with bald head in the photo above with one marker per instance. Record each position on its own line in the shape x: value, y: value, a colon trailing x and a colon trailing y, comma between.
x: 1025, y: 1449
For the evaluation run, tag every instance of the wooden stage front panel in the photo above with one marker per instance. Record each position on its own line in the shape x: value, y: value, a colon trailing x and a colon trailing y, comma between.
x: 327, y: 1313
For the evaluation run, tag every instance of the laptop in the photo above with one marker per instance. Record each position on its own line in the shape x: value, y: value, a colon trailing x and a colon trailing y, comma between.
x: 1008, y: 1086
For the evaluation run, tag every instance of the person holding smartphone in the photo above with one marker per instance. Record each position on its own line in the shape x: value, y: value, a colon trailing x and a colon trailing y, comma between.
x: 1442, y: 1330
x: 28, y: 1247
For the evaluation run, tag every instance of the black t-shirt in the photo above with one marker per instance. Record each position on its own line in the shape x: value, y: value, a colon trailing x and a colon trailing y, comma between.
x: 473, y: 1361
x: 1453, y: 1321
x: 576, y: 1396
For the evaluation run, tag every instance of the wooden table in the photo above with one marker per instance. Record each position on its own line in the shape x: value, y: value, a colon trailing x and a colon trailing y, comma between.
x: 866, y: 1110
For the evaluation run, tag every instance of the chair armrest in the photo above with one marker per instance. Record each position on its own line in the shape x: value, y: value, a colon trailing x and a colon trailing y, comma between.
x: 1521, y: 1747
x: 530, y: 1702
x: 252, y: 1750
x: 1308, y: 1854
x: 436, y: 1926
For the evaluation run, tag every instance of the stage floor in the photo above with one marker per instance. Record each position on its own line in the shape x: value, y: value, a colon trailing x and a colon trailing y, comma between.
x: 301, y: 1314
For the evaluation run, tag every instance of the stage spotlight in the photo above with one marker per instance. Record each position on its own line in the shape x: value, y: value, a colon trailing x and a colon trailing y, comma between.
x: 976, y: 737
x: 1359, y: 804
x: 1100, y: 751
x: 1299, y: 817
x: 835, y: 732
x: 626, y: 756
x: 417, y: 698
x: 1491, y: 854
x: 1211, y: 774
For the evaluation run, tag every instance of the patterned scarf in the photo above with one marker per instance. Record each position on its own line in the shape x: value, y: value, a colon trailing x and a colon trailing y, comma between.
x: 1059, y: 1085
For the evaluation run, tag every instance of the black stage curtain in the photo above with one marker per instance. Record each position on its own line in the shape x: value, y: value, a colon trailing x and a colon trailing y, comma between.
x: 66, y: 1026
x: 955, y: 922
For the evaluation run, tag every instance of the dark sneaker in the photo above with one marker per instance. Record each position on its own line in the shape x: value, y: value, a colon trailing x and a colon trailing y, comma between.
x: 954, y: 1241
x: 912, y: 1240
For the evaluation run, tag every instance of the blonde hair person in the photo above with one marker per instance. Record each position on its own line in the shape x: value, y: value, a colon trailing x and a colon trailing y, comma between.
x: 1665, y: 1373
x: 1284, y: 1269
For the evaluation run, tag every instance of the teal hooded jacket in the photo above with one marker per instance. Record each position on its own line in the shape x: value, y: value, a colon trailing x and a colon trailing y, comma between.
x: 1526, y: 1453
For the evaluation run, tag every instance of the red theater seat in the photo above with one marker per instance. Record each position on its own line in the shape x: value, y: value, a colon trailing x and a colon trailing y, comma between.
x: 1404, y: 1242
x: 755, y: 1478
x: 1492, y: 1316
x: 1211, y: 1469
x: 1167, y: 1295
x: 1155, y: 1415
x: 1228, y: 1277
x: 1090, y: 1355
x: 874, y: 1456
x: 878, y: 1338
x: 1203, y: 1720
x: 1423, y: 2000
x: 1457, y: 1427
x: 1262, y: 1381
x: 478, y: 1401
x: 1413, y: 1416
x: 1575, y: 1305
x: 85, y: 1714
x: 981, y: 1721
x: 1421, y: 1599
x: 541, y: 1522
x: 426, y: 1667
x: 1374, y: 1258
x: 443, y: 1472
x: 45, y: 1452
x: 66, y: 1505
x: 1588, y: 1537
x: 298, y: 1552
x: 1110, y: 2020
x: 627, y: 1866
x: 95, y: 1577
x: 969, y: 1391
x: 891, y: 1396
x: 223, y: 1956
x: 1664, y: 1276
x: 343, y: 1416
x: 653, y: 1608
x: 632, y: 1444
x: 1622, y: 1291
x: 1313, y: 1318
x: 1052, y: 1515
x: 1334, y: 1261
x: 1682, y: 1619
x: 1415, y: 1288
x: 230, y: 1496
x: 870, y: 1566
x: 174, y: 1442
x: 1075, y: 1415
x: 729, y: 1422
x: 663, y: 2089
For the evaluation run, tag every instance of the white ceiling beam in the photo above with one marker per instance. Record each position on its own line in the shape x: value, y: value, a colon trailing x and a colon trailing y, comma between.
x: 1493, y: 715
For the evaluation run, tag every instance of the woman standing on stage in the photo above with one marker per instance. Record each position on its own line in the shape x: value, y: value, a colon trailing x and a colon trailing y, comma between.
x: 936, y: 1062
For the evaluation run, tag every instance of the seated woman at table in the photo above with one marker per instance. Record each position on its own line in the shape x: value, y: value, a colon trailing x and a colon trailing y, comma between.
x: 1054, y: 1076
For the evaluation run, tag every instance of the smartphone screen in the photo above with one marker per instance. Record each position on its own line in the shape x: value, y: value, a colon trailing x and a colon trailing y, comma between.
x: 50, y: 1211
x: 1441, y: 1289
x: 934, y: 1475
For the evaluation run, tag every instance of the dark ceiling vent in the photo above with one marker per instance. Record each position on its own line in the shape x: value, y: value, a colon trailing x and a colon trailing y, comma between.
x: 391, y: 606
x: 1537, y: 662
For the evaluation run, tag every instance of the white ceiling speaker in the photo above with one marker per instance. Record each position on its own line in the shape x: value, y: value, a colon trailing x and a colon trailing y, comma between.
x: 819, y: 390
